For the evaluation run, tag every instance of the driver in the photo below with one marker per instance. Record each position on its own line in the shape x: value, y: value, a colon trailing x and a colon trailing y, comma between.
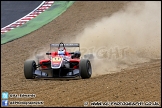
x: 61, y: 51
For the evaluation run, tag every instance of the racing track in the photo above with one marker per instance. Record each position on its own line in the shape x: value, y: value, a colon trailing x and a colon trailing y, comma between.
x: 17, y: 10
x: 127, y: 85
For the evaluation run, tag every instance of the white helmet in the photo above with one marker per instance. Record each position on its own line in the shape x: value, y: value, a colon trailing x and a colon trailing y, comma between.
x: 61, y: 51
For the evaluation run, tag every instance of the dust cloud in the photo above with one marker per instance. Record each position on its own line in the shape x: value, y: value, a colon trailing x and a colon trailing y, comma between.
x: 39, y: 54
x: 129, y: 36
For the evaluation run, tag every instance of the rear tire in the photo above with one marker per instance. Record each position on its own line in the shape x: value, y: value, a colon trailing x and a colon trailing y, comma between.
x: 85, y: 68
x: 29, y: 69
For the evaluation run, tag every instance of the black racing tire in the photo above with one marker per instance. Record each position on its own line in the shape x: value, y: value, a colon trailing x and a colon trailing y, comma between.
x: 29, y: 69
x: 85, y: 68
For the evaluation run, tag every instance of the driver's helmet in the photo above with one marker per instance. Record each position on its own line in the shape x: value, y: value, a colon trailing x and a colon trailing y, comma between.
x: 61, y: 51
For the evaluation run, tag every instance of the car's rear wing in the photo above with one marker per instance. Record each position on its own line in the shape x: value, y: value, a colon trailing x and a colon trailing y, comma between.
x: 66, y: 45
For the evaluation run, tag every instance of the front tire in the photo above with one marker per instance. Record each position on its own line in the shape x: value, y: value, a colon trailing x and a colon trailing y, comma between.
x: 29, y: 69
x: 85, y: 68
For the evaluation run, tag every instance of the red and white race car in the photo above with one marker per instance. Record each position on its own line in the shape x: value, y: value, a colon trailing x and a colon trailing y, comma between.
x: 61, y: 64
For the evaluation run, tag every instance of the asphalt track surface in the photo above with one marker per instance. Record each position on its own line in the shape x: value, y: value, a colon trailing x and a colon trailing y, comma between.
x: 14, y: 10
x: 142, y: 82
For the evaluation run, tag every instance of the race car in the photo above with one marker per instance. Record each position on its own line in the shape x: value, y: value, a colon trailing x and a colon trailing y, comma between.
x: 60, y: 64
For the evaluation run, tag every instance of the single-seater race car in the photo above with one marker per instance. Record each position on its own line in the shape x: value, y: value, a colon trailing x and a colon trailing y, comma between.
x: 61, y: 64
